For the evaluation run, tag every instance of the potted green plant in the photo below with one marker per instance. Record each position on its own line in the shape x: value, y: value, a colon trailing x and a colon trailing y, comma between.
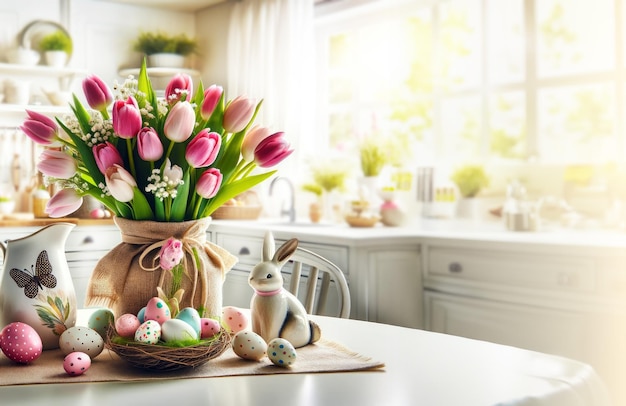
x: 165, y: 50
x: 373, y: 158
x: 56, y: 48
x: 470, y: 180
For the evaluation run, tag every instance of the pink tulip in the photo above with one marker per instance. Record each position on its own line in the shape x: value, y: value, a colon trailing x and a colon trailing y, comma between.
x: 56, y: 164
x: 106, y: 155
x: 97, y: 93
x: 212, y: 96
x: 40, y: 128
x: 238, y: 114
x: 252, y: 139
x: 203, y: 149
x: 178, y: 86
x: 171, y: 253
x: 149, y: 145
x: 209, y: 183
x: 272, y: 150
x: 63, y: 203
x: 180, y: 122
x: 126, y: 118
x: 120, y: 183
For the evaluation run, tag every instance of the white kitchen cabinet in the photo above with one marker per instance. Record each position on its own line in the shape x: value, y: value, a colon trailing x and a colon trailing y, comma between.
x: 383, y: 274
x: 568, y: 301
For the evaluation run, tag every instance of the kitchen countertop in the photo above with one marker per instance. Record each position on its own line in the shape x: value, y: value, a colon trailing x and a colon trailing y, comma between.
x: 449, y: 230
x: 484, y: 231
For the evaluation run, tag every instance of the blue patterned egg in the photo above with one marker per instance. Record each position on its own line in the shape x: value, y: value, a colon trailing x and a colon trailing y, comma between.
x: 141, y: 316
x: 149, y: 332
x: 190, y: 316
x: 281, y: 352
x: 100, y: 320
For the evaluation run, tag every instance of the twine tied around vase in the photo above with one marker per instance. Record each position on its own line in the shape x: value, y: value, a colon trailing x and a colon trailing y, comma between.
x: 193, y: 238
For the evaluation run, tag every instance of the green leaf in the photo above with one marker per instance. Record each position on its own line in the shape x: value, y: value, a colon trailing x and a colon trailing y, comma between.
x: 85, y: 153
x: 179, y: 206
x: 159, y: 209
x: 82, y: 115
x: 124, y: 209
x: 141, y: 207
x: 231, y: 190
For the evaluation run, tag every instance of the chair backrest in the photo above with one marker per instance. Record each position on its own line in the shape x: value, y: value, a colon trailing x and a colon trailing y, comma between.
x: 319, y: 268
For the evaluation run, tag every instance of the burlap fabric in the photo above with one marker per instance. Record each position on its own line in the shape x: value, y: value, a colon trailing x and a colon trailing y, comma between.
x: 126, y: 278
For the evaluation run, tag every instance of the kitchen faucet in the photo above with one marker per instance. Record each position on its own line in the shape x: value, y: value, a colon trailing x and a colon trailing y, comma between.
x: 291, y: 211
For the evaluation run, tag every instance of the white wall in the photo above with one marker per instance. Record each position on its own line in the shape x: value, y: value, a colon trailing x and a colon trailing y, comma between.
x: 212, y: 34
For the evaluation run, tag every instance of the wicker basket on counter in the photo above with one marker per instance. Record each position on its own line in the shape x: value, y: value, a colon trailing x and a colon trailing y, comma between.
x: 237, y: 212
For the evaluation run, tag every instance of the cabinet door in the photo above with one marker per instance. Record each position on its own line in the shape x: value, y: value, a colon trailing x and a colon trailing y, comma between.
x: 533, y: 328
x: 393, y: 288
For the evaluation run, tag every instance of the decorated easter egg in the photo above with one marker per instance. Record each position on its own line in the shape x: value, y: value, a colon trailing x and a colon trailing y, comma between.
x: 126, y: 325
x: 83, y: 339
x: 142, y: 315
x: 234, y: 319
x: 209, y: 327
x: 76, y: 363
x: 281, y: 352
x: 249, y: 345
x: 100, y: 320
x: 20, y: 342
x: 149, y: 332
x: 190, y: 316
x: 178, y: 330
x: 157, y: 310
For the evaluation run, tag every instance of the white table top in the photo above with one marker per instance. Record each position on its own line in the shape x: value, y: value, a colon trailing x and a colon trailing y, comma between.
x: 422, y: 368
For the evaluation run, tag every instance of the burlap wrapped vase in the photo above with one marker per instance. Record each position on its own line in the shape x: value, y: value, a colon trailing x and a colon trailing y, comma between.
x: 126, y: 278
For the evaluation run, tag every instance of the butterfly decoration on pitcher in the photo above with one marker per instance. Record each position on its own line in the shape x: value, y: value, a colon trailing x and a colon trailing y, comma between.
x: 33, y: 281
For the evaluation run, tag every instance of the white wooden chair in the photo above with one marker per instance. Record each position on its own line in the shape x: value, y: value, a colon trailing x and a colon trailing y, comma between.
x: 315, y: 268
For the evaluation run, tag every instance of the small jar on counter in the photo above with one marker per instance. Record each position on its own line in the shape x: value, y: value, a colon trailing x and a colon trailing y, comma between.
x: 40, y: 199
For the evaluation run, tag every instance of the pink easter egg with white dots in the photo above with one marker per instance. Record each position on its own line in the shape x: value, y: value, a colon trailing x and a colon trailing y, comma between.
x: 126, y: 325
x: 157, y: 310
x: 209, y: 327
x: 20, y: 342
x: 234, y: 318
x: 76, y: 363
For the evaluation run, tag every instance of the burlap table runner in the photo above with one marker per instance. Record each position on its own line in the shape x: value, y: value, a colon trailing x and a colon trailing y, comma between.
x: 323, y: 356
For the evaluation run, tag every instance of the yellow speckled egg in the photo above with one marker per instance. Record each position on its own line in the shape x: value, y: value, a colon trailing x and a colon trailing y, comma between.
x: 249, y: 345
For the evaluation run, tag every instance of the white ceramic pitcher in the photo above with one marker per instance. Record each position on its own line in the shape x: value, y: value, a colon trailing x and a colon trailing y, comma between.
x: 36, y: 286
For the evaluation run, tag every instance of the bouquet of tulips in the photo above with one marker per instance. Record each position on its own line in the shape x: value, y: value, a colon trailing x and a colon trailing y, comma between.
x: 175, y: 158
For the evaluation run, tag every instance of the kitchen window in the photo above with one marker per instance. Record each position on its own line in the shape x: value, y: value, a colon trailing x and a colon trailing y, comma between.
x: 491, y: 81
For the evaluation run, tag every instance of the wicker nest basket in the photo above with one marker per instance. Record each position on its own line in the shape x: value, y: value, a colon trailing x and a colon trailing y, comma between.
x: 164, y: 358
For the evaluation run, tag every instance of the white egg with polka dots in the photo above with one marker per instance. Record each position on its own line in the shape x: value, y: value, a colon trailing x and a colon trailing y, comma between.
x: 281, y: 352
x: 249, y: 345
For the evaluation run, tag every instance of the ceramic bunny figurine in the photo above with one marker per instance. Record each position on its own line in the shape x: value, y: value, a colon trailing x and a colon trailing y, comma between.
x: 275, y: 312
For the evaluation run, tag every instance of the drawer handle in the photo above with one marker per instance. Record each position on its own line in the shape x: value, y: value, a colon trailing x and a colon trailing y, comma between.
x: 244, y: 251
x: 455, y: 267
x: 88, y: 240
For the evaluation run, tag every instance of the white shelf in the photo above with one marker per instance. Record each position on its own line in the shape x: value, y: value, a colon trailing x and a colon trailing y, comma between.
x: 40, y: 71
x: 158, y: 72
